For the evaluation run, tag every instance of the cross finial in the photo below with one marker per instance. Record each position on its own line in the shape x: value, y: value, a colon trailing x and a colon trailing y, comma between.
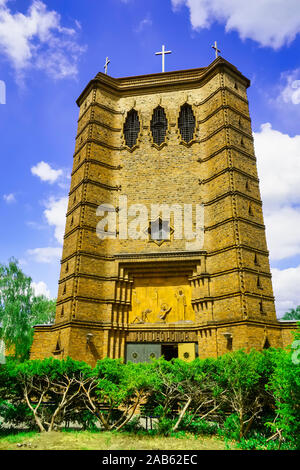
x: 162, y: 53
x: 106, y: 65
x: 215, y: 47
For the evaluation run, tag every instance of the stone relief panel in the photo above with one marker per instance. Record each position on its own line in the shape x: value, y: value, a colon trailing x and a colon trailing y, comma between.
x: 161, y: 300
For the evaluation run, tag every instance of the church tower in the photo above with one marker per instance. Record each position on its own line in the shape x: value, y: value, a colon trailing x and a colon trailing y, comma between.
x: 164, y: 249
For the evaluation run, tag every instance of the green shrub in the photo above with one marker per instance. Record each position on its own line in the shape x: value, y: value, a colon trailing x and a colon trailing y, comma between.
x: 15, y: 414
x: 133, y: 426
x: 197, y: 425
x: 208, y: 428
x: 114, y: 390
x: 164, y: 426
x: 239, y: 396
x: 260, y: 442
x: 284, y: 384
x: 230, y: 428
x: 82, y: 417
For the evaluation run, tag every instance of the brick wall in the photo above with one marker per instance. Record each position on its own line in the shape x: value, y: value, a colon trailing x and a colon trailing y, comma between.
x: 230, y: 278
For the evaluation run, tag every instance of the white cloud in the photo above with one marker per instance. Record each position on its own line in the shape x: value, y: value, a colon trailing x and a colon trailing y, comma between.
x: 291, y: 91
x: 278, y: 162
x: 55, y: 214
x: 271, y: 23
x: 9, y: 198
x: 143, y: 24
x: 282, y: 231
x: 40, y: 288
x: 286, y: 284
x: 36, y: 225
x: 38, y: 40
x: 78, y: 24
x: 45, y: 172
x: 45, y: 255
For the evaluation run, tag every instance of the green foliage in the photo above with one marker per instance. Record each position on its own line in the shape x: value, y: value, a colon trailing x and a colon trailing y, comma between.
x: 114, y: 390
x: 250, y: 398
x: 179, y: 385
x: 292, y: 314
x: 42, y: 310
x: 240, y: 371
x: 15, y: 413
x: 164, y: 426
x: 81, y: 416
x: 50, y: 388
x: 285, y: 387
x: 20, y: 309
x: 231, y: 428
x: 261, y: 442
x: 243, y: 378
x: 133, y: 426
x: 15, y: 299
x: 118, y: 382
x: 199, y: 426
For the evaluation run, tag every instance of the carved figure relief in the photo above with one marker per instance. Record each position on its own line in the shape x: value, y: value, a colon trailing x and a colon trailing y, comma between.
x: 157, y: 300
x: 181, y: 304
x: 164, y: 311
x: 144, y: 316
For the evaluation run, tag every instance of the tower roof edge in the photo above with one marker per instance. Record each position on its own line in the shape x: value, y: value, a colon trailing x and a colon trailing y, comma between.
x: 163, y: 80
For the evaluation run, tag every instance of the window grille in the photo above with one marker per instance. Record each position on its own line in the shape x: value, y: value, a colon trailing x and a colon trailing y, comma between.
x: 186, y: 122
x: 160, y: 229
x: 159, y: 125
x: 131, y: 128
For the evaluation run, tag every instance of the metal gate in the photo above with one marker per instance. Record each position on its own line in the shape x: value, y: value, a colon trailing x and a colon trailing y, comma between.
x: 137, y: 352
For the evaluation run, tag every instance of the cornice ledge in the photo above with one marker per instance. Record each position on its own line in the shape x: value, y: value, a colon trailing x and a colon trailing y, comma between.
x: 173, y: 78
x: 165, y: 254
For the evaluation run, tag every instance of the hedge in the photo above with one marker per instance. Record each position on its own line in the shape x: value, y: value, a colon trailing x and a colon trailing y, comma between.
x: 239, y: 395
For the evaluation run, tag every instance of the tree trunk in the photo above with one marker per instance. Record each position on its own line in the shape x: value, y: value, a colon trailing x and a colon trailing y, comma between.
x: 34, y: 411
x: 128, y: 417
x: 183, y: 411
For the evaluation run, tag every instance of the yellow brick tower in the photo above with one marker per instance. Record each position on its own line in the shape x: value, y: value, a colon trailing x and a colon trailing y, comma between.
x: 164, y: 249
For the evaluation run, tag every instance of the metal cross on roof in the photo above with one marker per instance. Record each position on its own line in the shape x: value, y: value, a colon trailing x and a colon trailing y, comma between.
x: 215, y: 47
x: 162, y: 53
x: 106, y: 65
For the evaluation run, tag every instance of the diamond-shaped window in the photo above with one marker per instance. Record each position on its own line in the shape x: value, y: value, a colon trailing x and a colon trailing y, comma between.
x: 159, y: 231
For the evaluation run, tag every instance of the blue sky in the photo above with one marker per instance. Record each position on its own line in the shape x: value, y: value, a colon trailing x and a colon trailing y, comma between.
x: 49, y: 50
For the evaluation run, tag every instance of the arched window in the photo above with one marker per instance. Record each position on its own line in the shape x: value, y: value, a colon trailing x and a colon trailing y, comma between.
x: 261, y: 307
x: 186, y: 122
x: 131, y: 128
x: 159, y: 125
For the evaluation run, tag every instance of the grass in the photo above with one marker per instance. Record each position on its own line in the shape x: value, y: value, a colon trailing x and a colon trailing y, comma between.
x: 87, y: 440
